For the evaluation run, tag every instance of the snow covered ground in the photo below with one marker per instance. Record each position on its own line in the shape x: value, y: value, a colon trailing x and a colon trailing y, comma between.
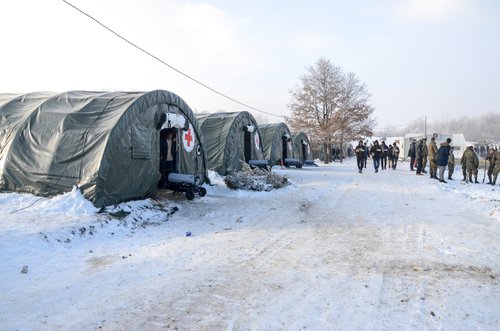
x: 335, y: 250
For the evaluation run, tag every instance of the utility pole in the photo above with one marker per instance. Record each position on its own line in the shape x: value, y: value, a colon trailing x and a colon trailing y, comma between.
x: 425, y: 126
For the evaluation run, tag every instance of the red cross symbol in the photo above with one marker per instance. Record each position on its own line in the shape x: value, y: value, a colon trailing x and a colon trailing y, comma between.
x: 188, y: 137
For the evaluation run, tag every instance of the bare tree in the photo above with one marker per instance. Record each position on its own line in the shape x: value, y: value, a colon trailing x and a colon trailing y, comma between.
x: 314, y: 103
x: 330, y: 107
x: 353, y: 116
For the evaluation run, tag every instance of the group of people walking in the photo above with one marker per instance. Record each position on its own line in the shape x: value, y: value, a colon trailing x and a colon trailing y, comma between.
x: 439, y: 159
x: 382, y: 155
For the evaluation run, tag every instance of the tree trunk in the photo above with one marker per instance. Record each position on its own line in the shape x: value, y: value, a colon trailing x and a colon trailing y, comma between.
x: 326, y: 154
x: 341, y: 147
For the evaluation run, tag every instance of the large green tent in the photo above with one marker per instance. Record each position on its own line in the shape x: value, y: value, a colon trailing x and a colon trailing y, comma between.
x: 277, y: 143
x: 230, y: 137
x: 105, y: 143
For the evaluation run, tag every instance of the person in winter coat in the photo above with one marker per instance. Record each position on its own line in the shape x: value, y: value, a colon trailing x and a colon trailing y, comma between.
x: 463, y: 163
x: 442, y: 158
x: 395, y: 155
x: 432, y: 155
x: 390, y: 157
x: 385, y: 154
x: 451, y: 163
x: 425, y: 153
x: 496, y: 166
x: 360, y: 155
x: 419, y: 155
x: 491, y: 165
x: 376, y: 153
x: 472, y: 162
x: 412, y: 153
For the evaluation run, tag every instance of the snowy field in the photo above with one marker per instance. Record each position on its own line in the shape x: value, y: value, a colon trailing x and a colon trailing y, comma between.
x: 335, y: 250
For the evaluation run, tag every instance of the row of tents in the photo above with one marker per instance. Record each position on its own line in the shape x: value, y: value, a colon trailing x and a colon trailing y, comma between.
x: 108, y: 143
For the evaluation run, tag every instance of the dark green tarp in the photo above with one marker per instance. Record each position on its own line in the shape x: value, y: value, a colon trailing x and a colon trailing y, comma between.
x: 276, y: 140
x: 106, y: 143
x: 230, y: 137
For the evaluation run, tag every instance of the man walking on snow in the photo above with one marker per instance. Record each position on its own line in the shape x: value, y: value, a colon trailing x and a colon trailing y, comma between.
x: 376, y: 152
x: 360, y: 155
x: 385, y: 154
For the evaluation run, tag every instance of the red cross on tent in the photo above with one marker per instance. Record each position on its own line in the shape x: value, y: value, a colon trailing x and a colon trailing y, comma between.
x: 257, y: 141
x: 188, y: 137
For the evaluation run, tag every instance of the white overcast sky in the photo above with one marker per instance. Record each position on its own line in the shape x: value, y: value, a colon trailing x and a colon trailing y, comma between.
x: 438, y: 58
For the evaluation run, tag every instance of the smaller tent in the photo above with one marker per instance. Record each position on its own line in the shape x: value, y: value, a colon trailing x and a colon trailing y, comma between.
x: 277, y: 143
x: 231, y: 137
x: 302, y: 149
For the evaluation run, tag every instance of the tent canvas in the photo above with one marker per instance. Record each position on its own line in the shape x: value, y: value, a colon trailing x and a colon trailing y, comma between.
x: 106, y: 143
x: 276, y: 140
x: 230, y: 137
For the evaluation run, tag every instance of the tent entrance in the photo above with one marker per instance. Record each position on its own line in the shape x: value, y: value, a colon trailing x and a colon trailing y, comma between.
x: 247, y: 141
x: 168, y: 155
x: 284, y: 149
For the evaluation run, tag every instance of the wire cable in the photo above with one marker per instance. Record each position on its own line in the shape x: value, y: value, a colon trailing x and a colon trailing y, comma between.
x: 168, y: 65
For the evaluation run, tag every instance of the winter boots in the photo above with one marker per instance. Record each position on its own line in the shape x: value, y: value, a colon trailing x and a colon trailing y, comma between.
x: 475, y: 179
x: 489, y: 179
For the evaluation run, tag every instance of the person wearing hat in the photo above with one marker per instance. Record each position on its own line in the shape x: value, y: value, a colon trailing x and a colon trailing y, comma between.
x: 360, y: 155
x: 496, y: 165
x: 425, y: 153
x: 472, y: 163
x: 451, y: 163
x: 376, y: 152
x: 442, y: 159
x: 491, y: 164
x: 432, y: 154
x: 419, y: 156
x: 385, y: 154
x: 412, y: 153
x: 395, y: 155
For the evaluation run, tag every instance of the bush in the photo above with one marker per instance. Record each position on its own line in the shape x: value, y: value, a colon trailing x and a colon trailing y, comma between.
x: 255, y: 179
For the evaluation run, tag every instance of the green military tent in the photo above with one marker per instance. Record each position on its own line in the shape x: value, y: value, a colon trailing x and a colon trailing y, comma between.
x: 105, y: 143
x: 230, y: 137
x: 277, y: 143
x: 302, y: 149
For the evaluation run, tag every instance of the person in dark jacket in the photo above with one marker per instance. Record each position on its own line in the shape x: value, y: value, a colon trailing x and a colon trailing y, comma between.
x: 442, y: 159
x: 385, y: 154
x: 390, y: 157
x: 412, y: 153
x: 395, y: 155
x: 419, y: 157
x: 360, y: 155
x: 376, y: 153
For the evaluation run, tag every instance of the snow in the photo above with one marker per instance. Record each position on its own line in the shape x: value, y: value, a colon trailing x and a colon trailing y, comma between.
x: 335, y: 250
